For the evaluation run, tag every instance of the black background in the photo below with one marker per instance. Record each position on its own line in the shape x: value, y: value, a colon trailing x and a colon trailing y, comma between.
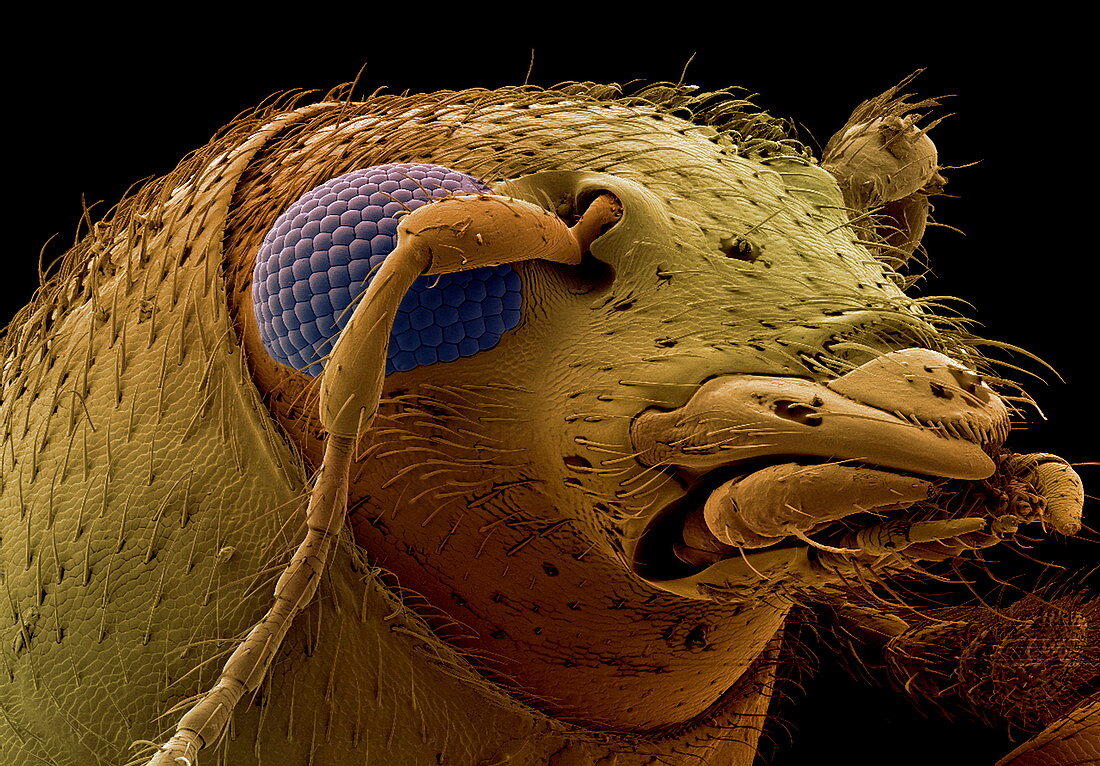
x: 96, y: 110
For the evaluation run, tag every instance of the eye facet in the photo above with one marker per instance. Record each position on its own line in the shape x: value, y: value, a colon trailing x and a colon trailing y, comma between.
x: 322, y: 252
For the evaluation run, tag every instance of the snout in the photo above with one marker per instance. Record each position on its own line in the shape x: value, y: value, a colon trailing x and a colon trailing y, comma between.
x: 787, y: 478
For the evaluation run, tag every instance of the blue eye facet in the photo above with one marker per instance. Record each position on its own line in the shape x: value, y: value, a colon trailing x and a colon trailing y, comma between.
x: 322, y: 252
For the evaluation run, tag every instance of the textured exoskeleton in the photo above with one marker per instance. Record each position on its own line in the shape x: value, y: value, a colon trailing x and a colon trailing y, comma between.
x: 577, y: 545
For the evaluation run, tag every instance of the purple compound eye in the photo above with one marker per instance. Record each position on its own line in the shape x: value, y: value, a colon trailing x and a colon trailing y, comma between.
x: 323, y: 251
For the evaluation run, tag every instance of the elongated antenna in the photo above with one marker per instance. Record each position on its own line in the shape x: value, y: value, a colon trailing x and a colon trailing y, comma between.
x: 457, y: 233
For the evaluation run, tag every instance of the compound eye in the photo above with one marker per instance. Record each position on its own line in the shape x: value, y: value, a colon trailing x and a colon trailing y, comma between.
x: 322, y: 252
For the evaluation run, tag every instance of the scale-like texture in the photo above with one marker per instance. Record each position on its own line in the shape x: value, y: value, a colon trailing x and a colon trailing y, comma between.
x: 145, y: 517
x: 324, y: 250
x: 151, y: 488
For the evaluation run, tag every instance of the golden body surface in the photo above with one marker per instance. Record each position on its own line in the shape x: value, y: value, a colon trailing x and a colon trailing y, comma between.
x: 574, y: 547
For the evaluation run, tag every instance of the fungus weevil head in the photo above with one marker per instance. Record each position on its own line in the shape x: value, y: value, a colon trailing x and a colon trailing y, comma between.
x: 607, y: 460
x: 704, y: 420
